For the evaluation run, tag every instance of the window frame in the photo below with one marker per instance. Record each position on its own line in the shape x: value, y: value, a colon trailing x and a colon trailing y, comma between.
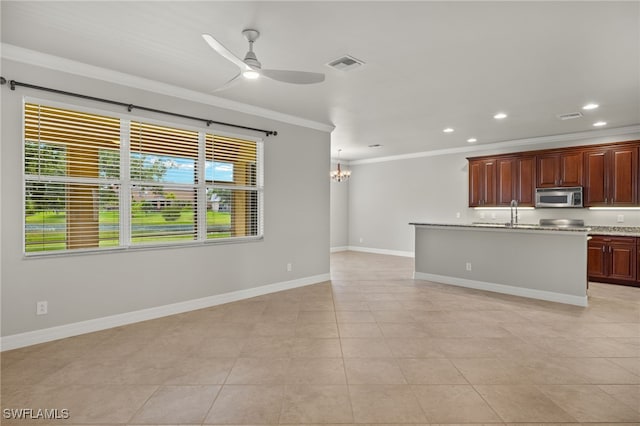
x: 125, y: 183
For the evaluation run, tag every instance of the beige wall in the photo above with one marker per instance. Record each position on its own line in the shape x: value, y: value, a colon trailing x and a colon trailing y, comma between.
x: 80, y: 288
x: 339, y: 212
x: 385, y: 196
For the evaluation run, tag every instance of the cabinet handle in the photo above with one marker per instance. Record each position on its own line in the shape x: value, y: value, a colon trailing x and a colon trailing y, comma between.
x: 606, y: 200
x: 603, y: 248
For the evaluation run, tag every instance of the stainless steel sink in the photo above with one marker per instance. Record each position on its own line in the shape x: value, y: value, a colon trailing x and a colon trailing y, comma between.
x: 562, y: 223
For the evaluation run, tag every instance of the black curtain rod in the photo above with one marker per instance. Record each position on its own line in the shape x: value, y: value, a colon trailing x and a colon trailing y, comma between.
x: 13, y: 84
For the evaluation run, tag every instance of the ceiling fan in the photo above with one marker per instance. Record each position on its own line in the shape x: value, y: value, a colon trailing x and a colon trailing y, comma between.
x: 251, y: 68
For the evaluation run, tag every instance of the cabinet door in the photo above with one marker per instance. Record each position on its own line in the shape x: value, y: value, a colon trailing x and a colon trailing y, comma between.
x: 475, y: 183
x: 623, y: 176
x: 595, y: 178
x: 596, y: 259
x: 570, y: 169
x: 622, y: 258
x: 489, y: 179
x: 506, y: 182
x: 525, y: 181
x: 638, y: 262
x: 547, y: 171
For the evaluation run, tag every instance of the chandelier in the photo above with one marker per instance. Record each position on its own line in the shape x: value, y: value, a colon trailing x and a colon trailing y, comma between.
x: 340, y: 175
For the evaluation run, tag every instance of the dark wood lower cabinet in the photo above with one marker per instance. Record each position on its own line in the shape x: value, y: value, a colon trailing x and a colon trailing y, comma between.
x: 613, y: 260
x: 638, y: 265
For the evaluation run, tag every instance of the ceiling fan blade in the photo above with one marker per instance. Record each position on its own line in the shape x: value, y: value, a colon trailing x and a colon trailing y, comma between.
x: 295, y: 77
x: 224, y: 52
x: 229, y: 83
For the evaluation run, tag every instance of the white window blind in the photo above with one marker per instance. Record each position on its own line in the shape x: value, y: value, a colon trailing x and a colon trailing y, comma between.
x: 72, y: 187
x: 74, y: 183
x: 234, y: 187
x: 163, y: 184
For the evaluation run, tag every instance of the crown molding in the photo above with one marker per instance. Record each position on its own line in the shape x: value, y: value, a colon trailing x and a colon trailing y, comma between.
x: 45, y: 60
x: 616, y: 131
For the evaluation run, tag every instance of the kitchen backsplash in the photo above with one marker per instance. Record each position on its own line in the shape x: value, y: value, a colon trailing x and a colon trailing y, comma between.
x: 590, y: 217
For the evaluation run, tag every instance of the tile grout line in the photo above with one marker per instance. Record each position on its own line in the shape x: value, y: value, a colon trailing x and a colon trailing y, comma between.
x: 144, y: 403
x: 344, y: 366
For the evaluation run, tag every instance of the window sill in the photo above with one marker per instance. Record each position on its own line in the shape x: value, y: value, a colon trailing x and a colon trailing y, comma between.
x: 141, y: 247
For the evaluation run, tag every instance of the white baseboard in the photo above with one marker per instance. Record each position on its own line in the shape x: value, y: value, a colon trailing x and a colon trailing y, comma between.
x: 381, y: 251
x: 29, y: 338
x: 340, y: 248
x: 505, y: 289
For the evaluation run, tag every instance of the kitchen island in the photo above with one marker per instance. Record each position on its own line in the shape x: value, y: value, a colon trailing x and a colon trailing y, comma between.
x: 548, y: 263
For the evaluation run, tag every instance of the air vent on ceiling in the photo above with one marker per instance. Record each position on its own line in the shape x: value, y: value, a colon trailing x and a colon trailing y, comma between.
x: 569, y: 116
x: 345, y: 63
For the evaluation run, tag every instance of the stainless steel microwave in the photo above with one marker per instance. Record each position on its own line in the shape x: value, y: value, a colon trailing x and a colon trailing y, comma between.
x: 559, y: 197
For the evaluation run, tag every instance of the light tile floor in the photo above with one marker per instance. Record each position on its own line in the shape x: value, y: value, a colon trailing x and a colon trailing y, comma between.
x: 371, y: 346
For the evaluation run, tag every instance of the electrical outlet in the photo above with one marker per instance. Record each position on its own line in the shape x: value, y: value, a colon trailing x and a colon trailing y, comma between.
x: 468, y: 265
x: 289, y: 267
x: 361, y: 240
x: 457, y: 215
x: 493, y: 215
x: 42, y: 308
x: 620, y: 218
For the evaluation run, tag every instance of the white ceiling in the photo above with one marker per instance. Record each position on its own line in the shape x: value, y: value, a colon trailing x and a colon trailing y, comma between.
x: 429, y: 65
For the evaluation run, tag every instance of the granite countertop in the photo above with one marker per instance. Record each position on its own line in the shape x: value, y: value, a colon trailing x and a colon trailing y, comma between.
x: 628, y: 231
x: 520, y: 227
x: 623, y: 231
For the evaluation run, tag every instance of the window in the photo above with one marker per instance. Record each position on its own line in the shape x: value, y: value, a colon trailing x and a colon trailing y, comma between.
x: 99, y: 182
x: 233, y: 193
x: 164, y: 201
x: 72, y: 186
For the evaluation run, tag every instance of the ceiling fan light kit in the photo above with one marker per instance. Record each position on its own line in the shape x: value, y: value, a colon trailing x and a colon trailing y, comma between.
x: 251, y: 74
x: 251, y: 68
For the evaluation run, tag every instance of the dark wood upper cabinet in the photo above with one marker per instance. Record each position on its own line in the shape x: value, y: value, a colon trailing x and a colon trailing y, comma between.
x: 548, y: 167
x: 475, y: 192
x: 611, y: 176
x: 595, y: 178
x: 506, y: 173
x: 525, y: 183
x: 482, y: 183
x: 515, y: 180
x: 559, y: 169
x: 489, y: 178
x: 624, y: 175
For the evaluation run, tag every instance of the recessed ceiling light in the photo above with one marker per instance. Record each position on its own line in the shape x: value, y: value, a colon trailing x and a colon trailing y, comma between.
x: 375, y: 145
x: 600, y: 123
x: 472, y: 140
x: 500, y: 116
x: 590, y: 106
x: 448, y: 130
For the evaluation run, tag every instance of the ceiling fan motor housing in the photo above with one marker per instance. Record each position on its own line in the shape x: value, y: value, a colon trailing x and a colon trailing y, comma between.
x: 251, y: 35
x: 251, y: 60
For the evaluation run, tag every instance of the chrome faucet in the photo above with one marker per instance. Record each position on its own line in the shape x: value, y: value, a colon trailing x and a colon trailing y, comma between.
x: 514, y: 209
